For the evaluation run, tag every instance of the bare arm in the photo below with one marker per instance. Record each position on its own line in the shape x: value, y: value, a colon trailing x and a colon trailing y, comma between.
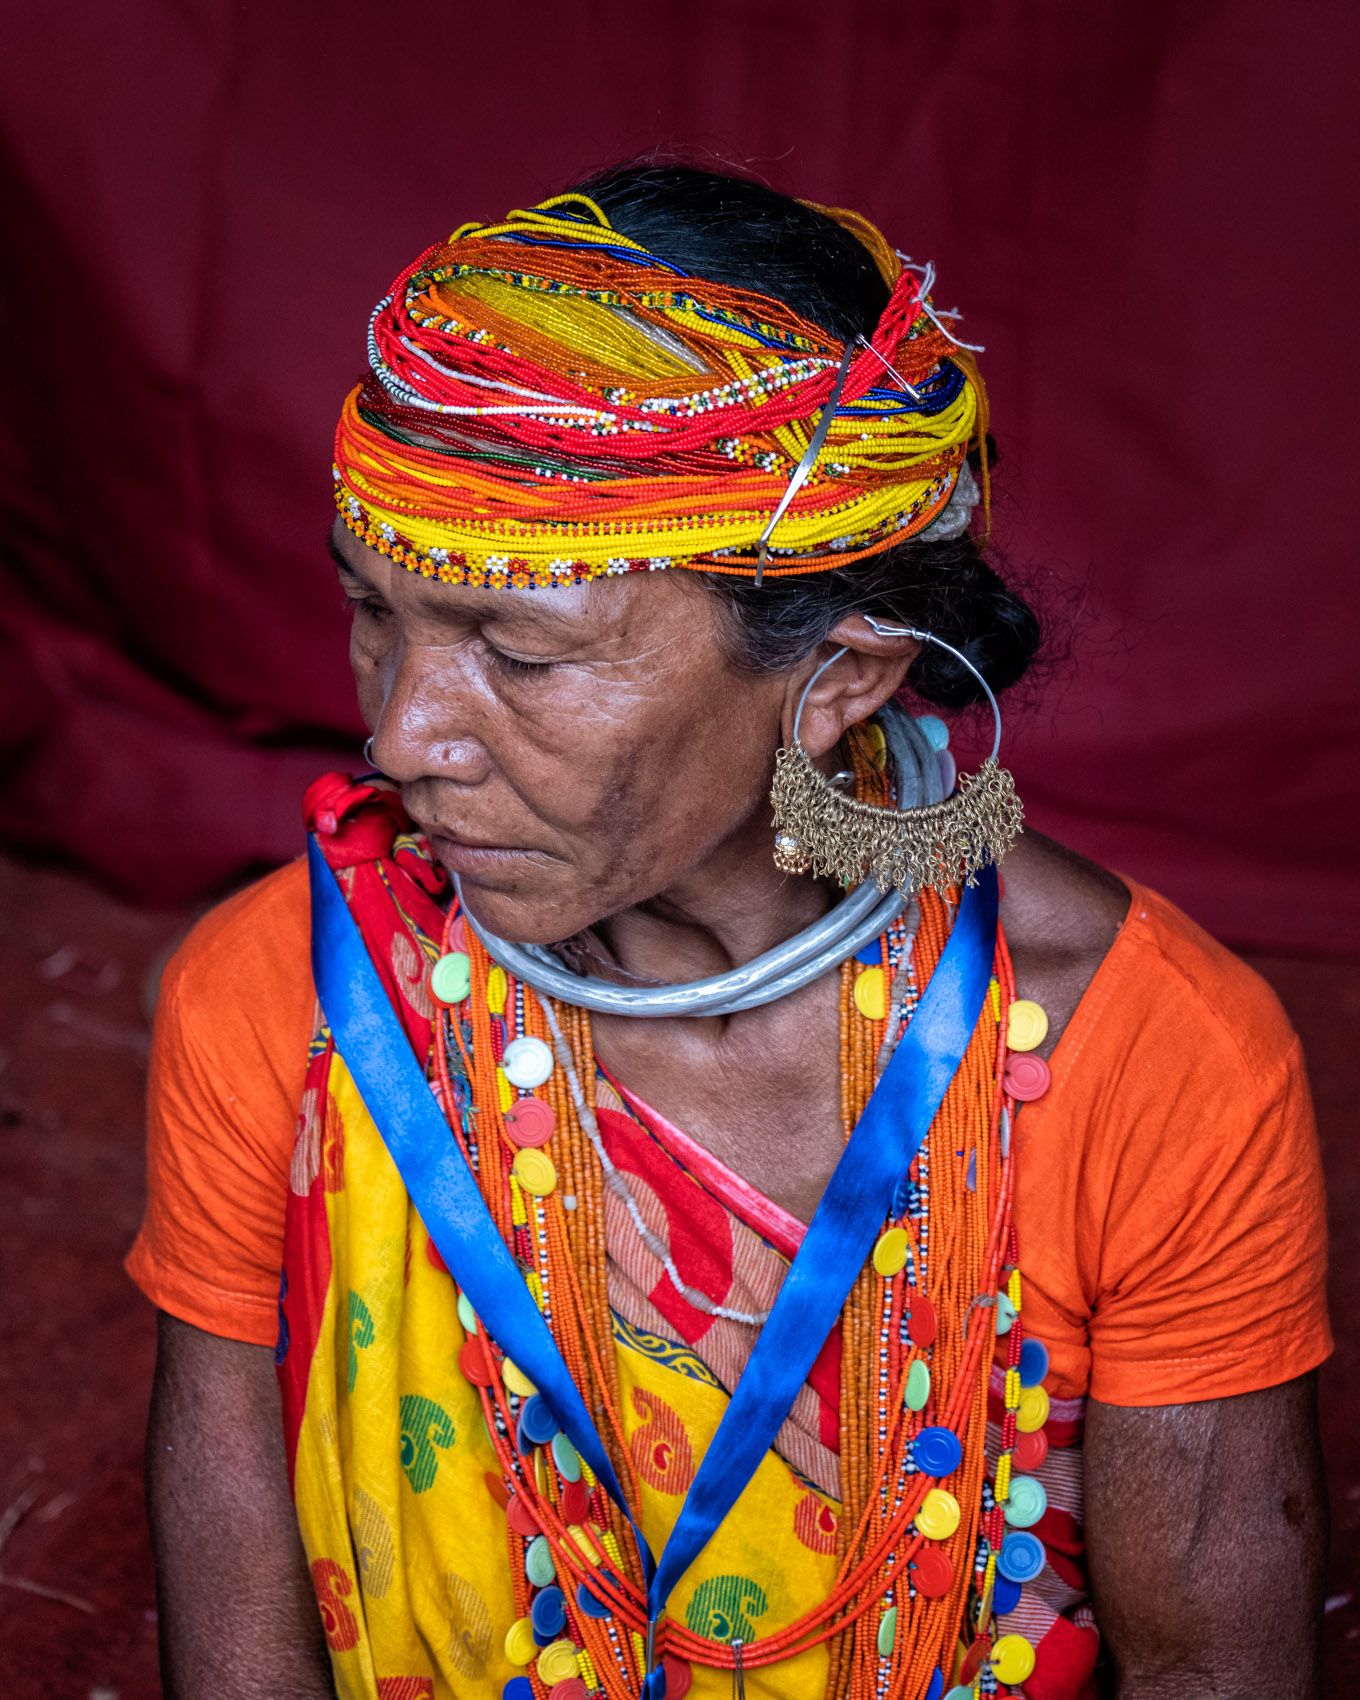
x: 238, y: 1618
x: 1207, y: 1532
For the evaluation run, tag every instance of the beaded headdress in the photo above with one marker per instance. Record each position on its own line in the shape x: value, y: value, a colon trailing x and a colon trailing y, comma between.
x: 548, y: 402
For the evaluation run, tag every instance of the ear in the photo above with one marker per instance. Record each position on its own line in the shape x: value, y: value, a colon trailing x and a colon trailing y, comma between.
x: 855, y: 686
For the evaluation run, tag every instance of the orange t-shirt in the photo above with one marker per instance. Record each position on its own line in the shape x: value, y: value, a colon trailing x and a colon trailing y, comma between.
x: 1169, y: 1208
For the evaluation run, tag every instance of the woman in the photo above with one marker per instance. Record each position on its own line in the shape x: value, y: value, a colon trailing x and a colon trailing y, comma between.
x: 779, y: 1290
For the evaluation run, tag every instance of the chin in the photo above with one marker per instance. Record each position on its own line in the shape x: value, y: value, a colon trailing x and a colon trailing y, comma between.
x: 523, y: 916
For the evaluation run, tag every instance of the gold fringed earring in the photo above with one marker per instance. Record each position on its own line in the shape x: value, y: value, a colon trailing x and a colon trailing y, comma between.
x: 823, y: 831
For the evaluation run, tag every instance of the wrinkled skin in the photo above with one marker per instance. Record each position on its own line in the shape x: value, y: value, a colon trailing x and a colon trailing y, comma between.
x: 592, y: 759
x: 598, y: 737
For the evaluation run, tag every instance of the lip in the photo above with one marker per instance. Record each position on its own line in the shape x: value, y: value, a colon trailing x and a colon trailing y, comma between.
x: 463, y: 856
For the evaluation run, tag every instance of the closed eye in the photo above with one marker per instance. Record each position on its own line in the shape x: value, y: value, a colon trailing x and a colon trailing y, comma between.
x: 516, y: 664
x: 366, y: 603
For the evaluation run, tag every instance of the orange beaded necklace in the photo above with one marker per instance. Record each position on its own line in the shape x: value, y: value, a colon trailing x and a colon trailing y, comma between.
x: 918, y: 1331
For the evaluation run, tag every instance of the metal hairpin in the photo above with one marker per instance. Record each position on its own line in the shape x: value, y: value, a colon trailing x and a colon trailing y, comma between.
x: 802, y: 471
x: 806, y: 464
x: 925, y: 269
x: 911, y: 390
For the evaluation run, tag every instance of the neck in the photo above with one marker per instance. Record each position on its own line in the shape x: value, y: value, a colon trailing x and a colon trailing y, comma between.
x: 734, y: 907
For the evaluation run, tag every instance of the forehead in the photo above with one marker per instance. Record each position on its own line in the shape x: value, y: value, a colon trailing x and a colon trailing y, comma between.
x: 602, y: 605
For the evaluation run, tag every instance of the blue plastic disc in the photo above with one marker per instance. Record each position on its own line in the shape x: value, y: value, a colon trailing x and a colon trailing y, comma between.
x: 1005, y: 1595
x: 518, y: 1688
x: 586, y: 1601
x: 537, y: 1424
x: 548, y: 1613
x: 937, y: 1451
x: 1033, y: 1363
x: 1021, y: 1558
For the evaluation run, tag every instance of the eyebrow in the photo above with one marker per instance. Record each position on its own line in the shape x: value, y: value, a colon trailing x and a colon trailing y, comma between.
x: 471, y: 604
x: 347, y: 567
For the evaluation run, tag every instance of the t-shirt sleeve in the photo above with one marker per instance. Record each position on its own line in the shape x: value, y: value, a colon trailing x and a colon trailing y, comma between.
x: 228, y: 1058
x: 1209, y: 1214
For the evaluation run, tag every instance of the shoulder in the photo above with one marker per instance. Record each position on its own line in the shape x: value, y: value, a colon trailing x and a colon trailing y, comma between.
x: 1121, y: 969
x: 1186, y: 988
x: 252, y: 947
x: 236, y: 1002
x: 227, y: 1075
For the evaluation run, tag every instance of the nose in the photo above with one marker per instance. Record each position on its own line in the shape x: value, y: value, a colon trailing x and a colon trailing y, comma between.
x: 428, y: 725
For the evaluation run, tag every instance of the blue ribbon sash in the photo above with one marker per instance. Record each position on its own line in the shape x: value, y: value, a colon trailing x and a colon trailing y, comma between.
x: 856, y: 1202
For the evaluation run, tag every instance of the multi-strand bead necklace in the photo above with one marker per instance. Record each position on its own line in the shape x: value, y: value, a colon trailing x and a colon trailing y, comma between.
x: 920, y: 1530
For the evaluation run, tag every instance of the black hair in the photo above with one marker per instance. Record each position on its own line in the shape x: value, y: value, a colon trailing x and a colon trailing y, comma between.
x: 741, y: 233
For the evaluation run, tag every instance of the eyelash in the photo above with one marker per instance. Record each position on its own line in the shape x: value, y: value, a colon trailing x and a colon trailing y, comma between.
x: 513, y: 664
x: 377, y: 610
x: 369, y: 605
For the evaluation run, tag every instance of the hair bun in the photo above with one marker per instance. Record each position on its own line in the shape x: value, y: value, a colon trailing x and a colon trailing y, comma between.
x: 973, y: 610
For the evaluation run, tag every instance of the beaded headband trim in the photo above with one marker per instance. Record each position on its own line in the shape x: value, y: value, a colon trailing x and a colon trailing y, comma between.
x: 547, y: 402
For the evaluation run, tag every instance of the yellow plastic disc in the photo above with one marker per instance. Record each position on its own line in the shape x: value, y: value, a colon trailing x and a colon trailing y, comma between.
x: 939, y: 1515
x: 890, y: 1254
x: 516, y: 1381
x: 505, y: 1092
x: 1012, y: 1660
x: 535, y: 1171
x: 581, y: 1536
x: 520, y: 1645
x: 497, y: 989
x: 557, y: 1662
x: 871, y: 994
x: 1032, y: 1412
x: 878, y: 744
x: 1026, y: 1026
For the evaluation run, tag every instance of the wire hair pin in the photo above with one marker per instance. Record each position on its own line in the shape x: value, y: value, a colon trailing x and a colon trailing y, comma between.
x: 911, y: 389
x: 925, y: 271
x: 804, y: 467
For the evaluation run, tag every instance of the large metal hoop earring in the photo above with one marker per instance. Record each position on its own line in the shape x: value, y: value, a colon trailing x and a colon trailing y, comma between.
x: 822, y: 831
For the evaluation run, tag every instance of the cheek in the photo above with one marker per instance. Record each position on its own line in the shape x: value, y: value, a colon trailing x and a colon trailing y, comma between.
x: 674, y: 788
x: 366, y: 665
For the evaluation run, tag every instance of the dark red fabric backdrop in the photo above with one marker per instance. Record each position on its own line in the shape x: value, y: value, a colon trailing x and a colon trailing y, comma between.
x: 1149, y: 213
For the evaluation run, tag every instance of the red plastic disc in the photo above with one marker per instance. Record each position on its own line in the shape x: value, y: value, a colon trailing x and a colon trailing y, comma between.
x: 472, y: 1362
x: 678, y: 1676
x: 530, y: 1122
x: 1026, y: 1077
x: 923, y: 1324
x: 932, y: 1573
x: 570, y: 1688
x: 495, y: 1486
x: 974, y: 1659
x: 1030, y: 1451
x: 521, y: 1519
x: 575, y: 1502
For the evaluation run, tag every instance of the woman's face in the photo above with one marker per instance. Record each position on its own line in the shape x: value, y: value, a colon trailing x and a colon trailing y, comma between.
x: 570, y: 752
